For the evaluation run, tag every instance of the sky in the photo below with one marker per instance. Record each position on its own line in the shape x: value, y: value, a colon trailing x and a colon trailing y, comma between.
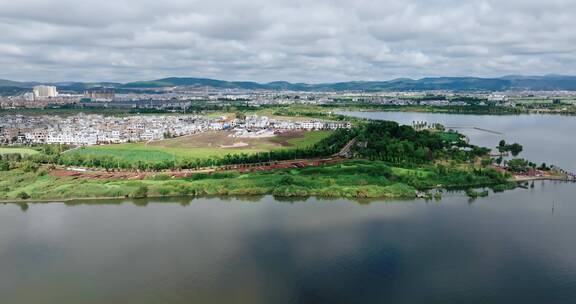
x: 310, y: 41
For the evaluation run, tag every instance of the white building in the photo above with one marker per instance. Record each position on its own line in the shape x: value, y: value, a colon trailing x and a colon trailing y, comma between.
x: 29, y: 96
x: 43, y: 91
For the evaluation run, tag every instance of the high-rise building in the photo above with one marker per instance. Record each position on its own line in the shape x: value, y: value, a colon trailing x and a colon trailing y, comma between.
x: 43, y: 91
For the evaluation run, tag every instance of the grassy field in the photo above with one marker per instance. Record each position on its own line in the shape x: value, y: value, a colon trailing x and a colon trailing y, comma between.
x: 204, y: 145
x: 21, y: 151
x: 353, y: 180
x: 449, y: 136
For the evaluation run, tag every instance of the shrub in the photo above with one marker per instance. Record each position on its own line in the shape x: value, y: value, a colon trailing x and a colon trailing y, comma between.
x: 222, y: 175
x: 504, y: 187
x: 286, y: 180
x: 140, y: 192
x: 23, y: 195
x: 161, y: 177
x: 28, y: 166
x: 164, y: 191
x: 199, y: 176
x: 473, y: 193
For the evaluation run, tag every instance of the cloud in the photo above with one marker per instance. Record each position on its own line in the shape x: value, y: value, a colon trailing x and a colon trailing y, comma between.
x: 297, y: 40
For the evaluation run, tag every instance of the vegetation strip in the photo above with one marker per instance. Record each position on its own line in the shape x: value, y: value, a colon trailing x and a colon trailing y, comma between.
x: 388, y: 161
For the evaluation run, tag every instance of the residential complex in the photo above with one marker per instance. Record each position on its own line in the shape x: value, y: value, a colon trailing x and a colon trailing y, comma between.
x: 43, y: 91
x: 83, y: 130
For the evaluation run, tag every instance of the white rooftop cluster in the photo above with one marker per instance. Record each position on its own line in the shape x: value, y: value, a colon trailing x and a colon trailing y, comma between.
x: 83, y: 130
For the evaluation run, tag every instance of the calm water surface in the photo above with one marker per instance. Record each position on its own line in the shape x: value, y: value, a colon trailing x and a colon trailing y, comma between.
x: 512, y: 247
x: 546, y: 138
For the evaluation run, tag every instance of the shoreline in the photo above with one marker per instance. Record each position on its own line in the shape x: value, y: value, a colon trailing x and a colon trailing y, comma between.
x: 446, y: 111
x: 101, y: 198
x: 50, y: 201
x: 542, y: 178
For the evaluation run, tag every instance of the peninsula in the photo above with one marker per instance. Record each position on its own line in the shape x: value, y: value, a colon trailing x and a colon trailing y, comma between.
x: 287, y: 153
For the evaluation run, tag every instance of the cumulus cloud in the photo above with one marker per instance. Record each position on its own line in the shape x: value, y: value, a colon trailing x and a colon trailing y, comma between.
x: 295, y: 40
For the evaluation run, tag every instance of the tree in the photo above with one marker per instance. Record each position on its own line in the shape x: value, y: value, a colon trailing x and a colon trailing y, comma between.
x: 515, y: 149
x: 518, y: 165
x: 502, y: 146
x: 499, y: 160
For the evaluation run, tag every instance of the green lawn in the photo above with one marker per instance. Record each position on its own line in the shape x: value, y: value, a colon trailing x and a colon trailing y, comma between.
x: 133, y: 152
x: 449, y: 136
x: 403, y: 172
x: 21, y: 151
x: 310, y: 139
x: 172, y: 149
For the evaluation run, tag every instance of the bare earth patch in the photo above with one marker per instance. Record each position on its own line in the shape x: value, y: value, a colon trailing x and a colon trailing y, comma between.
x: 223, y: 140
x: 236, y: 145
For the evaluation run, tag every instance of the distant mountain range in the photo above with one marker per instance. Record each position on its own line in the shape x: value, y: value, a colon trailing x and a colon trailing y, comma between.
x: 534, y: 83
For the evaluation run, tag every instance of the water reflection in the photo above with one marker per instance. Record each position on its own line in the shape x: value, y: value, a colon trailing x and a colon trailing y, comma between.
x: 505, y: 248
x: 23, y: 206
x: 186, y: 201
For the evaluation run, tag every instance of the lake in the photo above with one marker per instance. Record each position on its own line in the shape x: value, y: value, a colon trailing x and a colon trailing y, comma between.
x: 511, y: 247
x: 546, y: 138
